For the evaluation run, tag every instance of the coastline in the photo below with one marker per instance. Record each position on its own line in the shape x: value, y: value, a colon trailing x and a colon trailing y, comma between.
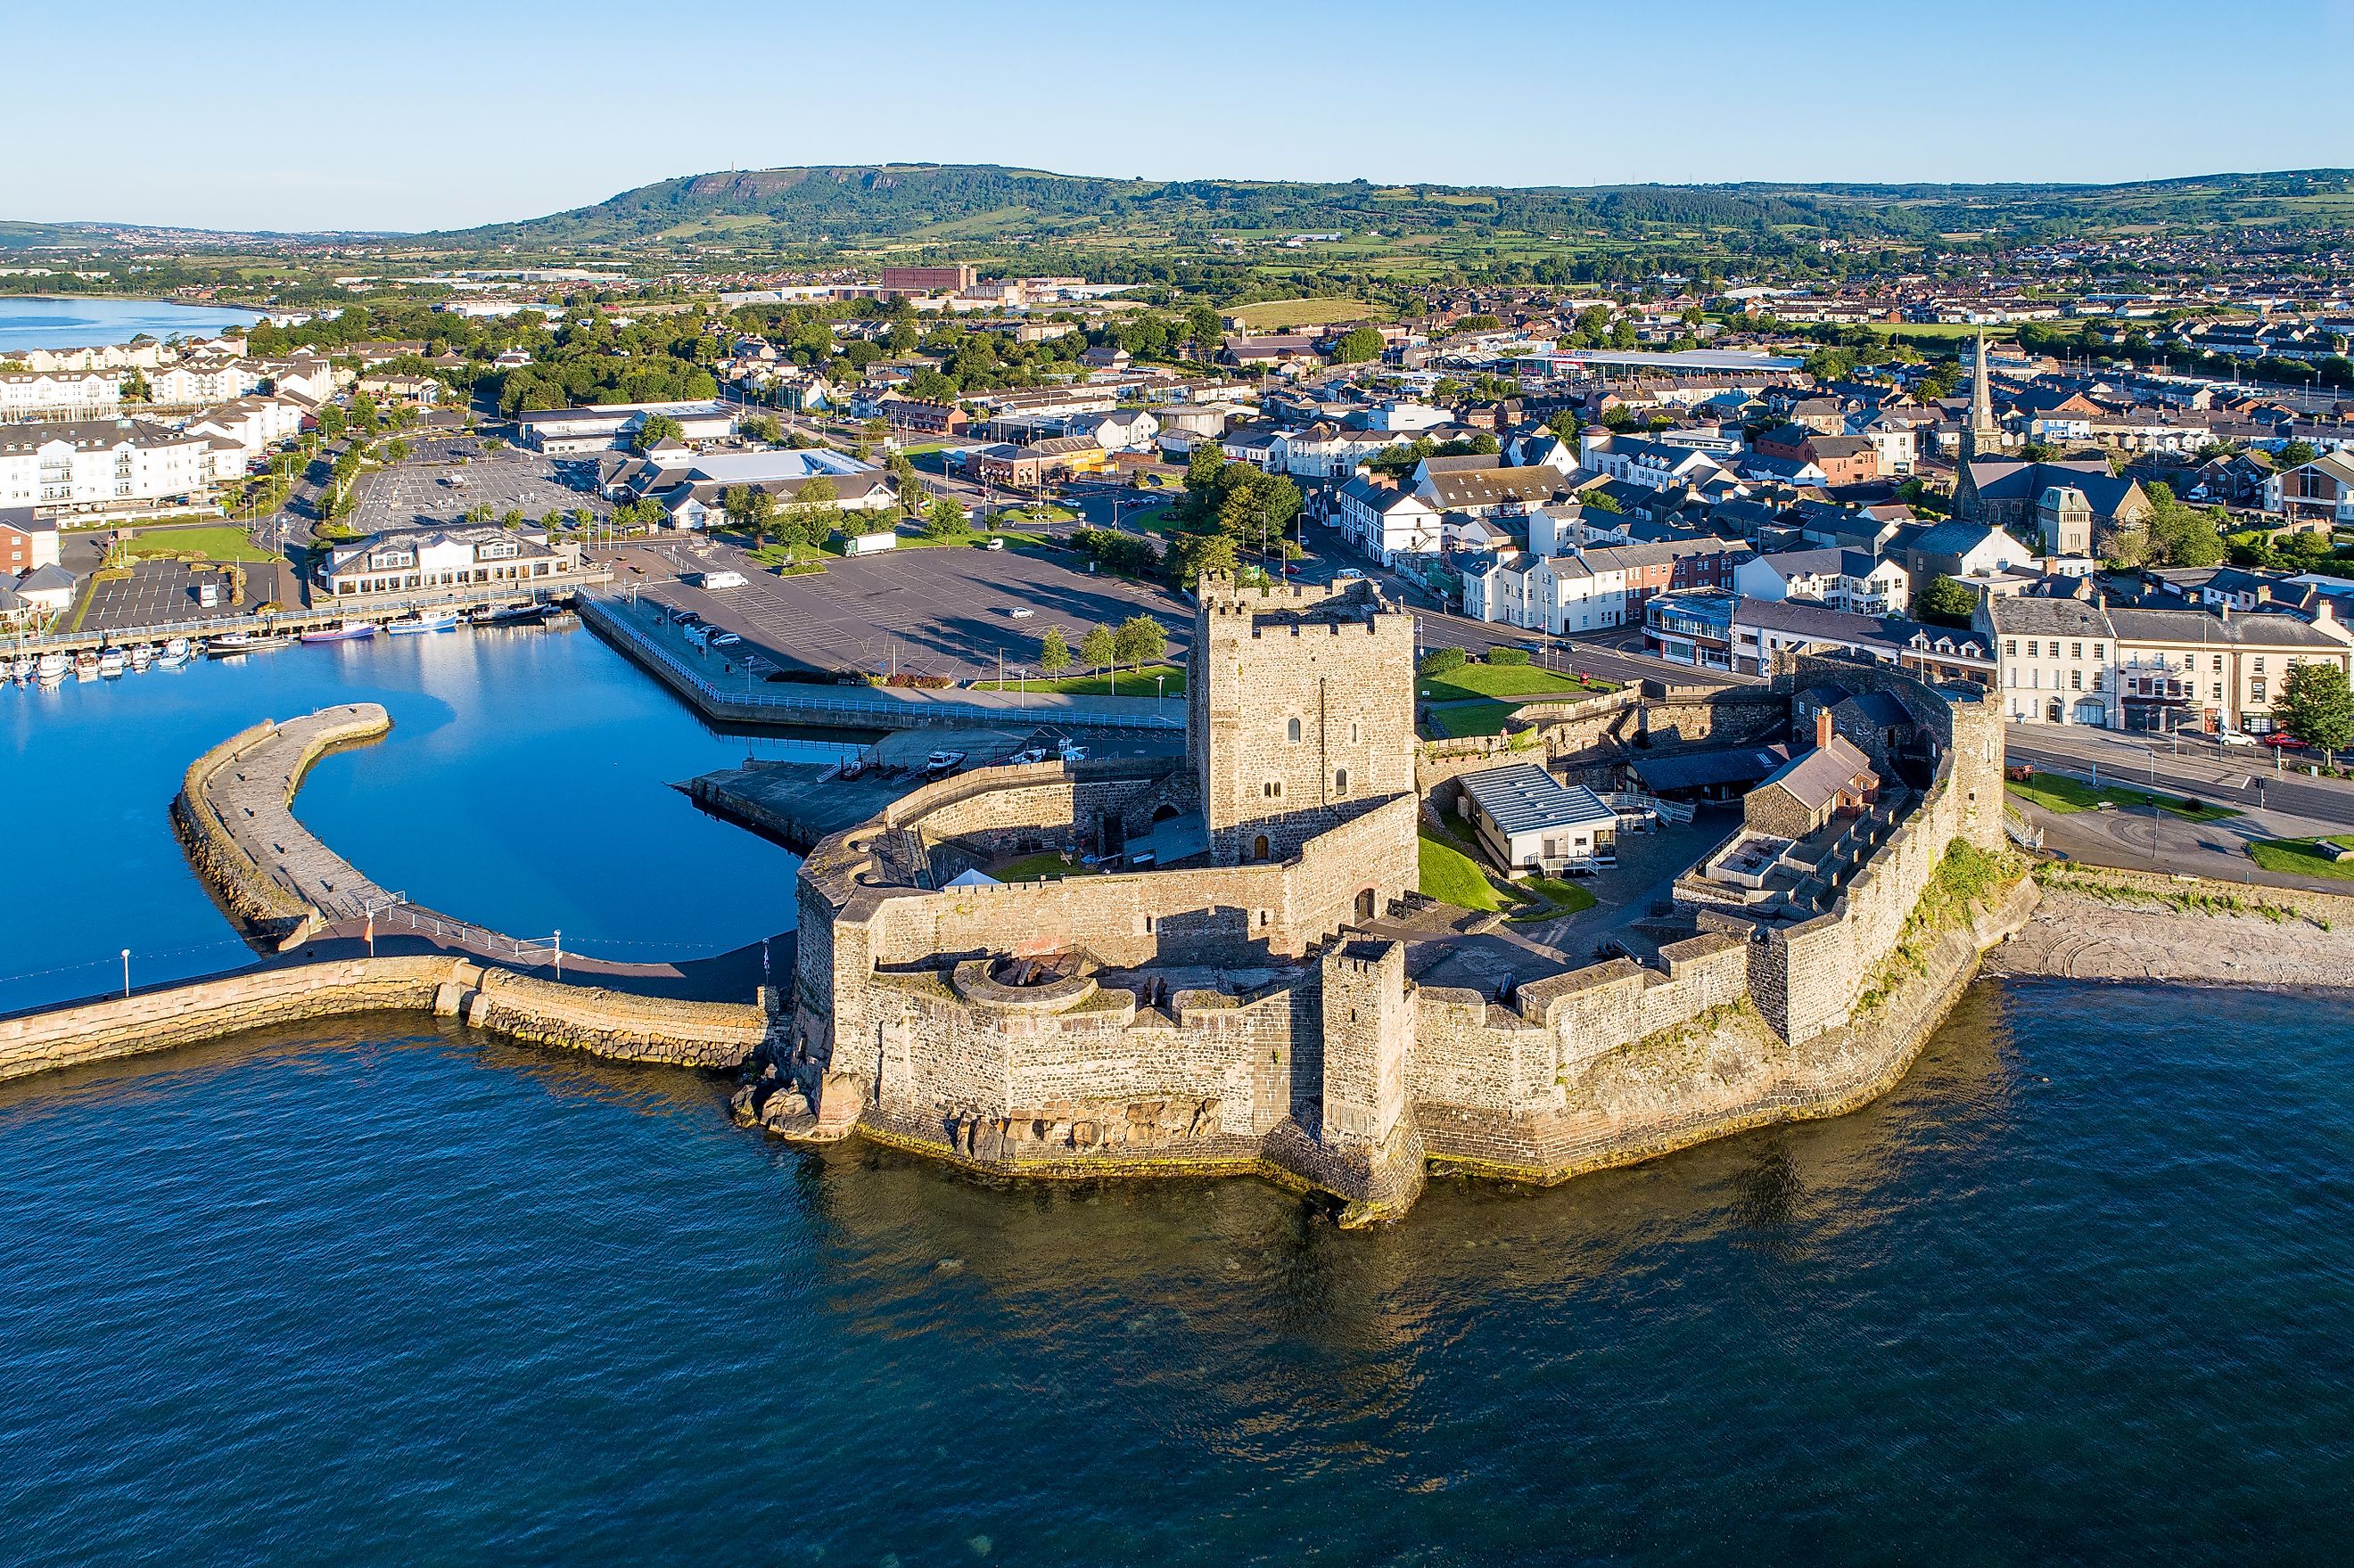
x: 2137, y: 928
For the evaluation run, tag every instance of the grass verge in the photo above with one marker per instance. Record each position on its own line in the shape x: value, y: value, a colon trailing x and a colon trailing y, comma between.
x: 2058, y: 792
x: 2302, y: 857
x: 1130, y: 683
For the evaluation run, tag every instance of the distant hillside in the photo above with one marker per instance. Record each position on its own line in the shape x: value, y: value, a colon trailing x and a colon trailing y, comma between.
x: 980, y: 205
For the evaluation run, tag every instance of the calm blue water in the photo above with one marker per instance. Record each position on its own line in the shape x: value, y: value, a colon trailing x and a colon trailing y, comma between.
x: 84, y: 322
x: 2078, y: 1291
x: 526, y: 784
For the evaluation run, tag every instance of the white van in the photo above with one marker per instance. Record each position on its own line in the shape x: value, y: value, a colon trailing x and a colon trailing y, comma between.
x: 718, y: 579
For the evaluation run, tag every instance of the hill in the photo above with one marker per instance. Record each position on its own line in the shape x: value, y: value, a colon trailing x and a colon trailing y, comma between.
x: 904, y: 206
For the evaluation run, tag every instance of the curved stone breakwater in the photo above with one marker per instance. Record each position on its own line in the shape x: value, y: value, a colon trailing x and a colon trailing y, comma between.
x: 616, y: 1024
x: 235, y: 818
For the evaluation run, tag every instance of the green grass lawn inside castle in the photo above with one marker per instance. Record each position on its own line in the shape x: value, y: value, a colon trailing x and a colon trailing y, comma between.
x: 1464, y: 697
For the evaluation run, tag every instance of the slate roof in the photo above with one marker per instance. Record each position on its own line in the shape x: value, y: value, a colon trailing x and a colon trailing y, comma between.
x: 1815, y: 779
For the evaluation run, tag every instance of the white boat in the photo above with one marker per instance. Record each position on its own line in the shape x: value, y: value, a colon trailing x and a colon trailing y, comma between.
x: 22, y: 669
x: 175, y: 654
x: 416, y: 625
x: 110, y: 661
x: 141, y: 655
x: 51, y: 667
x: 228, y: 645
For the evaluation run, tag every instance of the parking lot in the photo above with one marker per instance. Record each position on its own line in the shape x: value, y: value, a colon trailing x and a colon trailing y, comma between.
x: 946, y: 610
x: 164, y: 593
x: 411, y: 495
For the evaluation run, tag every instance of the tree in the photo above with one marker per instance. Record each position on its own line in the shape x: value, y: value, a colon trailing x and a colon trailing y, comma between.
x: 1098, y: 648
x: 1140, y: 642
x: 1942, y: 601
x: 1053, y: 652
x: 2318, y: 706
x: 1358, y: 344
x: 2180, y: 536
x: 2292, y: 454
x: 812, y: 518
x: 944, y: 519
x: 761, y: 428
x: 1191, y: 557
x: 135, y: 388
x: 658, y: 429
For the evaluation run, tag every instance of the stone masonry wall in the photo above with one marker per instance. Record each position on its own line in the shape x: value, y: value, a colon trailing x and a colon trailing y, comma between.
x: 1261, y: 663
x: 607, y: 1023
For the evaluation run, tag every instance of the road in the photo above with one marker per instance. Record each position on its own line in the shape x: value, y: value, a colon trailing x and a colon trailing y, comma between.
x: 2228, y: 777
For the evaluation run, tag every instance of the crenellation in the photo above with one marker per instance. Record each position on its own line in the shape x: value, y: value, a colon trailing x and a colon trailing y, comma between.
x: 1238, y: 1010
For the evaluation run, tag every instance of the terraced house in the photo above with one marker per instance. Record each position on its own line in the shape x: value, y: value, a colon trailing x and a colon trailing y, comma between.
x: 2081, y: 662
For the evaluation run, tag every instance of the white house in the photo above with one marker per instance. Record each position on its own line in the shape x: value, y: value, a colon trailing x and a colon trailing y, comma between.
x: 431, y: 559
x: 1853, y: 580
x: 1386, y: 523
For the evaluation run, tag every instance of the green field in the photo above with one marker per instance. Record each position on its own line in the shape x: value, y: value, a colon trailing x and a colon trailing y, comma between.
x: 1455, y: 720
x: 1130, y: 683
x: 1453, y: 877
x: 225, y: 543
x: 2301, y: 857
x: 1502, y: 681
x: 2057, y: 792
x: 1274, y: 315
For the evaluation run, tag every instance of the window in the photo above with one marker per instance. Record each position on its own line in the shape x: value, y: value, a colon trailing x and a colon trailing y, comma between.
x: 2076, y: 680
x: 1352, y: 732
x: 1272, y: 789
x: 1341, y: 779
x: 2257, y: 690
x: 1291, y: 730
x: 2030, y: 647
x: 2219, y: 664
x: 2218, y: 691
x: 2075, y: 650
x: 2099, y: 650
x: 2260, y: 663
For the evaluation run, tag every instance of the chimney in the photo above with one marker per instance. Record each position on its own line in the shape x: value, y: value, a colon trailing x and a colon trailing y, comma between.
x: 1822, y: 729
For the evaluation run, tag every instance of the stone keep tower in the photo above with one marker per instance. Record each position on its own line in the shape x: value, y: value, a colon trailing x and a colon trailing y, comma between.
x: 1301, y: 712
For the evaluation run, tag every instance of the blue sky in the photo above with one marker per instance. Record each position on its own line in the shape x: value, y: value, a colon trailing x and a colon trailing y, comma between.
x: 431, y: 114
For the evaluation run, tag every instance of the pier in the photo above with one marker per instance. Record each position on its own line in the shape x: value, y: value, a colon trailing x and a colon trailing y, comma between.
x: 287, y: 889
x: 723, y: 692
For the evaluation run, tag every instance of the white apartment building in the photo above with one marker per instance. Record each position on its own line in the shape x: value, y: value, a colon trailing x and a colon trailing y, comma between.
x: 101, y: 465
x: 199, y: 382
x: 1386, y: 523
x: 58, y: 394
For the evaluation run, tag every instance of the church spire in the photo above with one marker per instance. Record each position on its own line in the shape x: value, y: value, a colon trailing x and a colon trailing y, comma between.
x: 1984, y: 435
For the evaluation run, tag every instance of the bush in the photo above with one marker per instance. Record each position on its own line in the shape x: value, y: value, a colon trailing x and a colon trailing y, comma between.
x: 1508, y: 656
x: 1442, y: 661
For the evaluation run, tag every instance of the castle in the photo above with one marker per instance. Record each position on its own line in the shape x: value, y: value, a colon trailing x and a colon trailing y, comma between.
x: 1243, y: 994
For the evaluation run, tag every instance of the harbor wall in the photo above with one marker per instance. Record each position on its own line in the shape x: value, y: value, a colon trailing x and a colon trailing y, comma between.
x: 271, y: 913
x: 601, y: 1022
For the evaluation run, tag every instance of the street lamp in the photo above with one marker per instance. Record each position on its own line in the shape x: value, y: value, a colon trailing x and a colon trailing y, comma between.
x: 126, y: 974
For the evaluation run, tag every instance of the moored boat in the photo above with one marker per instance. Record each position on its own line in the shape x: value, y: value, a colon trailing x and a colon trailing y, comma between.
x: 141, y: 655
x: 231, y: 644
x: 349, y: 631
x: 22, y: 669
x: 175, y: 654
x: 51, y: 667
x: 511, y: 615
x: 110, y: 661
x: 413, y: 625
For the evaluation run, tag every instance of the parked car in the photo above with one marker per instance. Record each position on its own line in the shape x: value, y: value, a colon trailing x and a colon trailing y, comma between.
x: 1347, y: 572
x: 995, y: 543
x: 725, y: 640
x: 1020, y: 613
x: 2235, y: 738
